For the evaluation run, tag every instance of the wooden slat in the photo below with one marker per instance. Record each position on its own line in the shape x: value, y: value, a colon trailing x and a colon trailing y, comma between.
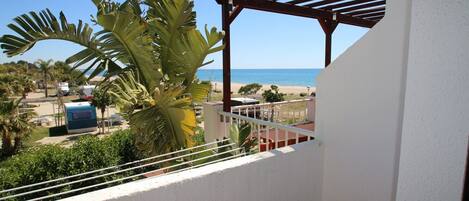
x: 375, y: 18
x: 345, y: 4
x: 371, y: 15
x: 363, y: 6
x: 322, y: 3
x: 366, y: 11
x: 298, y: 1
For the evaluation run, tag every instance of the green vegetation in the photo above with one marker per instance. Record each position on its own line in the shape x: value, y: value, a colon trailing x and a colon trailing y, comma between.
x: 17, y: 79
x: 249, y: 89
x: 43, y: 163
x: 14, y: 126
x: 155, y: 48
x: 48, y: 162
x: 241, y: 136
x: 272, y: 95
x: 36, y: 134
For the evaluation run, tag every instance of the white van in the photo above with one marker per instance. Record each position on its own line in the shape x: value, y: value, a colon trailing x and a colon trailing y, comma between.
x: 63, y: 89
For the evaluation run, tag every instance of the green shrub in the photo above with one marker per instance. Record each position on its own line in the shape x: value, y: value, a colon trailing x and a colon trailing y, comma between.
x: 47, y: 162
x: 199, y: 138
x: 273, y: 95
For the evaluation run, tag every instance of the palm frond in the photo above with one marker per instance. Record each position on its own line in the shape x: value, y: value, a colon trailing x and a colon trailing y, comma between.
x: 44, y: 25
x: 123, y: 38
x: 169, y: 21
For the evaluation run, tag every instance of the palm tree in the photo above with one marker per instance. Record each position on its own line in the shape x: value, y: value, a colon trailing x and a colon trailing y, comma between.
x: 45, y: 67
x: 27, y: 85
x: 160, y: 45
x: 14, y: 126
x: 101, y: 100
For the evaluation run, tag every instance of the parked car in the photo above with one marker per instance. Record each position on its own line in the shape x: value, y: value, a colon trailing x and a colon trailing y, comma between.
x: 86, y: 92
x: 63, y: 89
x: 116, y: 119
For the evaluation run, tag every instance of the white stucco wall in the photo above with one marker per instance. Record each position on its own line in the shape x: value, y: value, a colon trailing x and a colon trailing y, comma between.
x: 436, y: 115
x: 359, y: 112
x: 289, y: 173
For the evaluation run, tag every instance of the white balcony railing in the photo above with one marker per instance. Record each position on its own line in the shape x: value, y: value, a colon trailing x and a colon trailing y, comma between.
x: 270, y: 135
x: 159, y: 165
x: 285, y: 112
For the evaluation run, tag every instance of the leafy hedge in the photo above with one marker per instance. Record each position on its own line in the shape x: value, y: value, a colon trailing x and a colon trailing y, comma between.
x: 43, y: 163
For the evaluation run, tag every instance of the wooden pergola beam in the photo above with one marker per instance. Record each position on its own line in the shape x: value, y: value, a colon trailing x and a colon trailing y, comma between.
x: 328, y: 26
x: 236, y: 11
x: 301, y: 11
x: 329, y: 13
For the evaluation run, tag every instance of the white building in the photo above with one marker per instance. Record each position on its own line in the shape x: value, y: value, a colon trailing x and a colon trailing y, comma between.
x: 399, y: 133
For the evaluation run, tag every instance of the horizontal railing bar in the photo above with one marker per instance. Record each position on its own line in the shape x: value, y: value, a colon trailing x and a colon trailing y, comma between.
x: 133, y: 176
x: 268, y: 123
x: 112, y: 167
x: 270, y: 104
x: 211, y: 162
x: 115, y: 172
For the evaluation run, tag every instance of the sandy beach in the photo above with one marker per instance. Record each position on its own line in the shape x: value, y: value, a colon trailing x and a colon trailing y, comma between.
x: 284, y: 89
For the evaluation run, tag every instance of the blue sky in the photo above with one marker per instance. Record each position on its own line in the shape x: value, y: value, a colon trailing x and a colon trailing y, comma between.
x: 259, y: 39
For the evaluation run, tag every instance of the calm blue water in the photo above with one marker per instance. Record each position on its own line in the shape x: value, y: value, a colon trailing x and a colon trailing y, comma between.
x: 286, y: 77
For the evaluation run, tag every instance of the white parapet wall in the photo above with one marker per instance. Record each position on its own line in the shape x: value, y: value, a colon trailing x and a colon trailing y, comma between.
x: 436, y: 115
x: 287, y: 174
x: 359, y: 111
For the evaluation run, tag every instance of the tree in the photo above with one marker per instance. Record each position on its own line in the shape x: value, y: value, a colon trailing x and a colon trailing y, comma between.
x: 157, y: 40
x: 27, y: 85
x: 14, y: 125
x: 15, y: 85
x: 272, y: 95
x: 249, y: 89
x: 101, y: 100
x: 46, y: 69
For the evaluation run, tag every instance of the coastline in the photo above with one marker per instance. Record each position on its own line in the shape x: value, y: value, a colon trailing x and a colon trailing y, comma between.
x: 282, y: 88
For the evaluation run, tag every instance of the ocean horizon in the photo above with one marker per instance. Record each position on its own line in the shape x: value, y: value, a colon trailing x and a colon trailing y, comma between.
x: 305, y: 77
x: 283, y: 77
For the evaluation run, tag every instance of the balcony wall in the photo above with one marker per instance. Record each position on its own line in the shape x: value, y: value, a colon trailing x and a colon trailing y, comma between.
x: 289, y: 173
x: 436, y: 116
x: 360, y: 99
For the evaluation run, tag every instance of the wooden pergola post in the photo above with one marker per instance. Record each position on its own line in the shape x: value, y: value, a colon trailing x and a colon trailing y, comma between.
x: 226, y: 9
x: 328, y: 26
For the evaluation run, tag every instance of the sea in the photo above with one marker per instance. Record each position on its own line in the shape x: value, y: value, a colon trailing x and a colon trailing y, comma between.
x: 285, y: 77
